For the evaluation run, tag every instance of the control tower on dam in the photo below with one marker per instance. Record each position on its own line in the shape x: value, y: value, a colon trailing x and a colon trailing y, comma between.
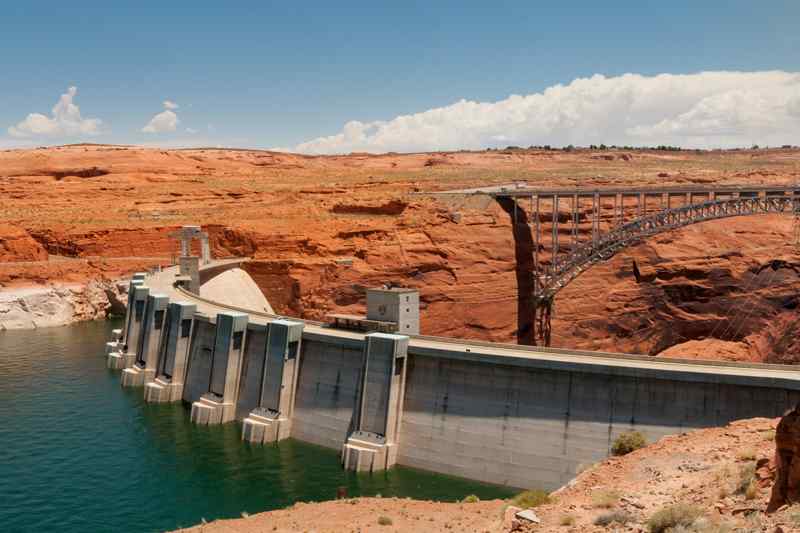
x: 382, y: 394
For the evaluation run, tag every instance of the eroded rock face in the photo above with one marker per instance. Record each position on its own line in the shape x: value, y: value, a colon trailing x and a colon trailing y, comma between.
x: 16, y: 244
x: 38, y: 307
x: 724, y: 289
x: 786, y: 489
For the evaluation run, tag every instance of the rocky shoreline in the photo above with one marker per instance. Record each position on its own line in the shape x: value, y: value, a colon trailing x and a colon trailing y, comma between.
x: 60, y: 304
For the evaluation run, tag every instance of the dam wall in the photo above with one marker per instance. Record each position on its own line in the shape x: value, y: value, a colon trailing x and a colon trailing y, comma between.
x: 523, y: 425
x: 517, y: 416
x: 327, y: 391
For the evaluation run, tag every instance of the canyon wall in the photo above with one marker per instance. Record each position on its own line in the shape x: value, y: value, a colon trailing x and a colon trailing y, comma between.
x: 321, y: 229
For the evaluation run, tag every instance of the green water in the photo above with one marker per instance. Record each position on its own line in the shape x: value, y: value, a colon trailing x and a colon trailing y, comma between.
x: 80, y: 453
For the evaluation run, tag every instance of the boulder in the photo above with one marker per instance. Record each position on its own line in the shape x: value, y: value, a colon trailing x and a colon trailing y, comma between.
x: 786, y: 489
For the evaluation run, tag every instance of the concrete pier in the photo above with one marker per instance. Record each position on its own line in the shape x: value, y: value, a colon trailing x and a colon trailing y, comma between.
x: 144, y: 368
x: 373, y: 445
x: 125, y: 356
x: 271, y: 420
x: 118, y: 335
x: 173, y: 355
x: 218, y: 404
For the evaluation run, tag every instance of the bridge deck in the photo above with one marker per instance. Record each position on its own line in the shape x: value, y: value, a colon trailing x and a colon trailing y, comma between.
x: 527, y: 356
x: 519, y: 190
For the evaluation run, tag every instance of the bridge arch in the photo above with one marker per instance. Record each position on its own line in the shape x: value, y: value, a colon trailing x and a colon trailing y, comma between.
x: 550, y: 249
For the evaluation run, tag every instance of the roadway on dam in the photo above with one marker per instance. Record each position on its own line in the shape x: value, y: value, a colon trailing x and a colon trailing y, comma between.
x: 525, y: 356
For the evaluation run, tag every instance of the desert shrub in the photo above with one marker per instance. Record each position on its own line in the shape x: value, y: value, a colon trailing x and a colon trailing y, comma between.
x: 606, y: 519
x: 605, y: 499
x: 472, y: 498
x: 673, y: 516
x: 793, y: 514
x: 747, y: 476
x: 747, y: 454
x: 751, y: 491
x: 384, y: 521
x: 567, y: 520
x: 530, y: 498
x: 628, y: 442
x: 703, y: 525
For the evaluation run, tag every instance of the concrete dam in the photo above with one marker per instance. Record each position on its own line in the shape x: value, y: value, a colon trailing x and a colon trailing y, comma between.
x: 522, y: 416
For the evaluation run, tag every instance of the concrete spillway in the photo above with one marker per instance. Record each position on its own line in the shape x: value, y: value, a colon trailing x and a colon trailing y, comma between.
x: 236, y: 288
x: 514, y: 415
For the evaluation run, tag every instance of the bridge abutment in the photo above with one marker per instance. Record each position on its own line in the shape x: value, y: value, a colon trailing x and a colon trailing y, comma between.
x: 271, y: 420
x: 373, y: 445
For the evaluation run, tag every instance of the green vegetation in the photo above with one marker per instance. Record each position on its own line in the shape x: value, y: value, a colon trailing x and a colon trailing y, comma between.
x: 566, y: 520
x: 530, y: 498
x: 747, y: 454
x: 606, y: 519
x: 628, y: 442
x: 747, y: 477
x: 605, y: 499
x: 793, y: 514
x: 673, y: 516
x: 472, y: 498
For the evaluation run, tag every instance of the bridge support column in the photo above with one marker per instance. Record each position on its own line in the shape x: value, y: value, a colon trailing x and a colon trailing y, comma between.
x: 125, y: 356
x: 218, y: 405
x: 271, y: 421
x: 373, y: 444
x: 144, y: 368
x: 174, y: 352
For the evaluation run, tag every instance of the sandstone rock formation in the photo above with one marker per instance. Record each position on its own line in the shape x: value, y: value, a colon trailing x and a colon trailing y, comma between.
x: 786, y: 490
x: 17, y: 245
x: 37, y: 307
x: 322, y: 228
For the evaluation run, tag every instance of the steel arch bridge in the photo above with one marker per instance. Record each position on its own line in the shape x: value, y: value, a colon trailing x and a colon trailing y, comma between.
x: 566, y: 231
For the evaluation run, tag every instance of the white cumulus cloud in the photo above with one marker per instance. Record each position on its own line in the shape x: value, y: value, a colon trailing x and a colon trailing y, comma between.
x: 707, y: 109
x: 66, y: 120
x: 165, y: 121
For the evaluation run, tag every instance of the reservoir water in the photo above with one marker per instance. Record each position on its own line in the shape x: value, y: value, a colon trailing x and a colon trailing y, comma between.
x: 80, y: 453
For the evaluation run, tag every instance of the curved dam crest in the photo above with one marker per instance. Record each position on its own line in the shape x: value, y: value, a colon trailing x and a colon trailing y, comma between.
x: 505, y: 414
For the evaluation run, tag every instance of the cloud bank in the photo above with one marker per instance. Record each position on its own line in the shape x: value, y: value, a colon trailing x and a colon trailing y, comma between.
x: 165, y: 121
x: 708, y: 109
x: 66, y: 121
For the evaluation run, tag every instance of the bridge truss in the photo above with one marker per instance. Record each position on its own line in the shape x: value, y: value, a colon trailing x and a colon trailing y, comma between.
x: 563, y: 232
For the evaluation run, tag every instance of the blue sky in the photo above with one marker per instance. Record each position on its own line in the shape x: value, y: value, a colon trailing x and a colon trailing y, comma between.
x: 278, y: 74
